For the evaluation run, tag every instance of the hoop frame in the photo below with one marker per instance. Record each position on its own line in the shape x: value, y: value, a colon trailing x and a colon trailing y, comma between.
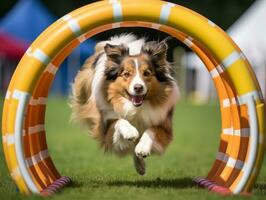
x: 242, y: 142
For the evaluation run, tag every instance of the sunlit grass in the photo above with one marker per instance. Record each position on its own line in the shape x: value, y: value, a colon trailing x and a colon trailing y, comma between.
x: 103, y: 176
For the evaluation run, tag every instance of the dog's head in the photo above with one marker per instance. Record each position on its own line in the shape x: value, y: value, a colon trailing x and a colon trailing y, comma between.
x: 140, y: 77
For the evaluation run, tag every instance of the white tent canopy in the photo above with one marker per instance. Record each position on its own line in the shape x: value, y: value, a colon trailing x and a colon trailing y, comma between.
x: 249, y: 33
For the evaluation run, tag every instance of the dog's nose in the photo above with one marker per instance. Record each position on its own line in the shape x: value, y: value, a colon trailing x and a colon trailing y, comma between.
x: 138, y: 88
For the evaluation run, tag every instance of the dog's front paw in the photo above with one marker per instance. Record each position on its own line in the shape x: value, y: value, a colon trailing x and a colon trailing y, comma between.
x: 126, y: 130
x: 143, y: 148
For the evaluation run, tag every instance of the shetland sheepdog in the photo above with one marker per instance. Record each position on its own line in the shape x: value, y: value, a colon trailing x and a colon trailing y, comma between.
x: 126, y: 93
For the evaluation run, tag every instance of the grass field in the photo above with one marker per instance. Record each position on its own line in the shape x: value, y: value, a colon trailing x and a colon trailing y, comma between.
x: 103, y: 176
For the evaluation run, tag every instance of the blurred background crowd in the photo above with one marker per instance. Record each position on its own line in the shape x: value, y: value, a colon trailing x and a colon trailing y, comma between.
x: 22, y: 21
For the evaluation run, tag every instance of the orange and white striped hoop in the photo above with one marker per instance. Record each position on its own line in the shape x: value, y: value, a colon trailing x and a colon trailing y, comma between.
x: 241, y: 150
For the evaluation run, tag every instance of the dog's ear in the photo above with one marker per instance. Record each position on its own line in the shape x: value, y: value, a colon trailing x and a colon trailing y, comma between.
x: 157, y: 51
x: 116, y: 53
x: 158, y: 55
x: 112, y: 72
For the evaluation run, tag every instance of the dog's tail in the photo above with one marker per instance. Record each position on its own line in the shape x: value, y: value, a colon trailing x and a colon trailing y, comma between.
x: 84, y: 110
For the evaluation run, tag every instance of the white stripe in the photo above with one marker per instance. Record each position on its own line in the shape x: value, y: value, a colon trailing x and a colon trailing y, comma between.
x: 220, y: 69
x: 44, y: 154
x: 66, y: 17
x: 73, y: 24
x: 29, y: 51
x: 117, y: 10
x: 222, y: 156
x: 233, y: 101
x: 211, y: 23
x: 20, y: 95
x: 116, y: 25
x: 81, y: 38
x: 226, y: 103
x: 4, y: 139
x: 216, y: 71
x: 41, y: 56
x: 231, y: 59
x: 244, y: 132
x: 165, y: 12
x: 155, y: 26
x: 51, y: 69
x: 38, y: 101
x: 243, y: 56
x: 8, y: 94
x: 37, y: 158
x: 239, y: 164
x: 241, y: 100
x: 233, y: 163
x: 228, y: 131
x: 245, y: 97
x: 33, y: 160
x: 8, y: 139
x: 15, y: 173
x: 188, y: 41
x: 23, y: 98
x: 230, y: 162
x: 36, y: 129
x: 253, y: 145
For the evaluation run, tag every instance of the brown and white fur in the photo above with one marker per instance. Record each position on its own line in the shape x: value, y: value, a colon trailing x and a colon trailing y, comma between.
x: 126, y: 94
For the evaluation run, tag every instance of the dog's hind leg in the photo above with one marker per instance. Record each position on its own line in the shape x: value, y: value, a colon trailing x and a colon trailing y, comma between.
x: 139, y: 164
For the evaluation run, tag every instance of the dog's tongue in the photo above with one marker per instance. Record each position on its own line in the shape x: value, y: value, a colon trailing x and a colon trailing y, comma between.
x: 137, y: 100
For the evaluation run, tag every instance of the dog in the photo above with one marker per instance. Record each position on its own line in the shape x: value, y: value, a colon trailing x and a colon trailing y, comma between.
x: 126, y: 94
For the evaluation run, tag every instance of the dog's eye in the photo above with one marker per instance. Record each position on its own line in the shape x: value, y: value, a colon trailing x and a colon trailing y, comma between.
x: 126, y: 74
x: 147, y: 73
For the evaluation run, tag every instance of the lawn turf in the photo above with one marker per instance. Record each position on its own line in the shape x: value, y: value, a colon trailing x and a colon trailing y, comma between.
x: 103, y: 176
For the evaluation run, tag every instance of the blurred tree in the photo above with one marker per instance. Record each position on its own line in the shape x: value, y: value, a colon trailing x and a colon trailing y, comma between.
x: 5, y: 6
x: 223, y: 13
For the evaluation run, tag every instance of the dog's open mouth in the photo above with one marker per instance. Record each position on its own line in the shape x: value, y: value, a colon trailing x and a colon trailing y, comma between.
x: 137, y: 100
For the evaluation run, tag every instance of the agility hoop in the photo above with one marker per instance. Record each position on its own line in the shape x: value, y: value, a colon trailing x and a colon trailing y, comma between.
x: 242, y: 139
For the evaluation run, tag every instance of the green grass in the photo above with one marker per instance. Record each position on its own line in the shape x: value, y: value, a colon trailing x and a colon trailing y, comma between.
x: 103, y: 176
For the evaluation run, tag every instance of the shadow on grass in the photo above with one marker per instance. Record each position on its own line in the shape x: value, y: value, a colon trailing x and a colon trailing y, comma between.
x: 177, y: 183
x: 156, y: 183
x: 75, y: 184
x: 260, y: 188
